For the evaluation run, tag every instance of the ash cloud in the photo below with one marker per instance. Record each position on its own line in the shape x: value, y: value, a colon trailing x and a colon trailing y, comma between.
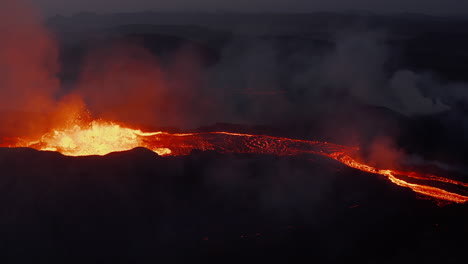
x: 126, y: 82
x: 354, y: 69
x: 258, y: 78
x: 29, y: 69
x: 28, y: 65
x: 28, y: 58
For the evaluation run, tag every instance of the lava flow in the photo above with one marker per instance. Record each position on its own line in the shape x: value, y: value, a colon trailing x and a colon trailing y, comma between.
x: 101, y: 138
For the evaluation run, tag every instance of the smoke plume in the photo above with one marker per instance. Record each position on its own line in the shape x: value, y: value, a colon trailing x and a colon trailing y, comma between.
x: 28, y: 59
x: 28, y: 69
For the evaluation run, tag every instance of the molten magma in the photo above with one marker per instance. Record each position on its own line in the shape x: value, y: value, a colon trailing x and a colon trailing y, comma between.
x: 393, y: 176
x: 100, y: 138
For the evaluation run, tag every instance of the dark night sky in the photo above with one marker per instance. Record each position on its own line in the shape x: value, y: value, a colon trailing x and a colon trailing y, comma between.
x: 385, y: 6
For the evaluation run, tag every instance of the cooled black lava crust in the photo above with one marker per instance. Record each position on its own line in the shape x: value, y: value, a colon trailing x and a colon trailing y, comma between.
x: 207, y: 207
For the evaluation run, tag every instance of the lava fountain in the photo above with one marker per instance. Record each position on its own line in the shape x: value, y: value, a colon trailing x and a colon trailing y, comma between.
x: 101, y: 138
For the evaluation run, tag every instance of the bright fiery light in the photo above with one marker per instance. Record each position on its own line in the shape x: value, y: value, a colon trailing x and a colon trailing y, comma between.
x: 101, y: 138
x: 392, y: 175
x: 98, y: 138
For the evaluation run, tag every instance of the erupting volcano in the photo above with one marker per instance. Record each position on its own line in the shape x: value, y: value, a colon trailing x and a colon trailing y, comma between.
x: 101, y: 138
x: 206, y: 133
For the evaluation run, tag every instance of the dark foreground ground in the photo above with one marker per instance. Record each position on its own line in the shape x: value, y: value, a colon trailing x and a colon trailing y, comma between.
x: 206, y: 207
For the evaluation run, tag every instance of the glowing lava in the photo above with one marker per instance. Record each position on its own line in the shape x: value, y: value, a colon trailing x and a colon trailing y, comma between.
x: 101, y: 138
x: 392, y: 175
x: 98, y: 138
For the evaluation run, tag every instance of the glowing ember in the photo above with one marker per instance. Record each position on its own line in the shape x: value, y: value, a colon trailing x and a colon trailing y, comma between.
x: 101, y: 138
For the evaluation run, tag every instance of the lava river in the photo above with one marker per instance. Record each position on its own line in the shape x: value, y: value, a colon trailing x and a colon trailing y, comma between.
x: 101, y: 138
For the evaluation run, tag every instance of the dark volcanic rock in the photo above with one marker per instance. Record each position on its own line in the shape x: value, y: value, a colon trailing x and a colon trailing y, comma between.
x: 135, y: 206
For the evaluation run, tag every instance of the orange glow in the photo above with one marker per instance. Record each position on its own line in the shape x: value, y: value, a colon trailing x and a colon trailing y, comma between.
x: 101, y: 138
x: 97, y: 138
x: 392, y: 175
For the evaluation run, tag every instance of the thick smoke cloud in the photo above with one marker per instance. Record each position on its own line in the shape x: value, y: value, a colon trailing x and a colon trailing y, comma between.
x: 356, y: 68
x: 28, y: 59
x: 122, y: 82
x: 412, y: 96
x: 257, y: 80
x: 248, y: 77
x: 126, y: 82
x: 28, y: 68
x: 269, y: 88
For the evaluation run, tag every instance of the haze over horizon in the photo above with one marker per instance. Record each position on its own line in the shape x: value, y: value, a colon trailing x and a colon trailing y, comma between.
x: 429, y: 7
